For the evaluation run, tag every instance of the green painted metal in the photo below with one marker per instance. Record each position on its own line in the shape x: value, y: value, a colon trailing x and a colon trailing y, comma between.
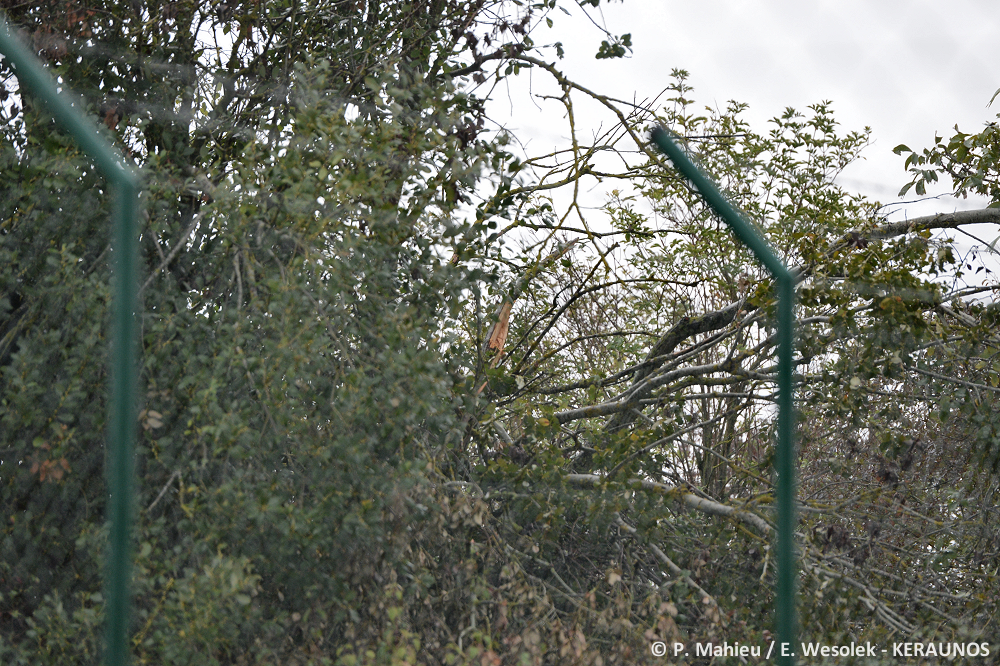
x: 69, y: 112
x: 785, y: 618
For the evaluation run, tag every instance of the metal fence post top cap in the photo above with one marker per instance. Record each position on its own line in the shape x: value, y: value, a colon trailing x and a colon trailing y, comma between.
x: 660, y: 129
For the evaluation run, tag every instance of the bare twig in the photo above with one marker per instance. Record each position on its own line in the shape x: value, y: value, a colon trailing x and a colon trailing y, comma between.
x: 173, y: 253
x: 163, y: 491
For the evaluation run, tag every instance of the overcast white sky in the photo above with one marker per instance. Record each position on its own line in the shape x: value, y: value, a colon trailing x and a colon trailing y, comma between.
x: 906, y: 69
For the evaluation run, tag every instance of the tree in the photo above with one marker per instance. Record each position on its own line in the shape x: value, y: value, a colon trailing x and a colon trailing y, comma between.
x: 644, y: 366
x: 297, y: 197
x: 398, y: 408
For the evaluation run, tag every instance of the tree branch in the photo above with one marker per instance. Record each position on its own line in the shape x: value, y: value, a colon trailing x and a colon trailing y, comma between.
x: 702, y: 504
x: 939, y: 221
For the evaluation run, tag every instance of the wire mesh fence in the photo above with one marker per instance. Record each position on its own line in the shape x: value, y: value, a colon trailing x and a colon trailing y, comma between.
x: 414, y: 389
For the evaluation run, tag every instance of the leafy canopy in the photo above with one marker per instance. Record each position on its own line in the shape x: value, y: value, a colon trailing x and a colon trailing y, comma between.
x: 400, y: 405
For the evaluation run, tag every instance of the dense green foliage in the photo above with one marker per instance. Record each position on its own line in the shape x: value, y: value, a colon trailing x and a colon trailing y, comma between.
x: 400, y: 405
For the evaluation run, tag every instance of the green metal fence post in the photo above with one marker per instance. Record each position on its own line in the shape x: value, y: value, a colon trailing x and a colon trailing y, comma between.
x: 785, y: 459
x: 69, y: 113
